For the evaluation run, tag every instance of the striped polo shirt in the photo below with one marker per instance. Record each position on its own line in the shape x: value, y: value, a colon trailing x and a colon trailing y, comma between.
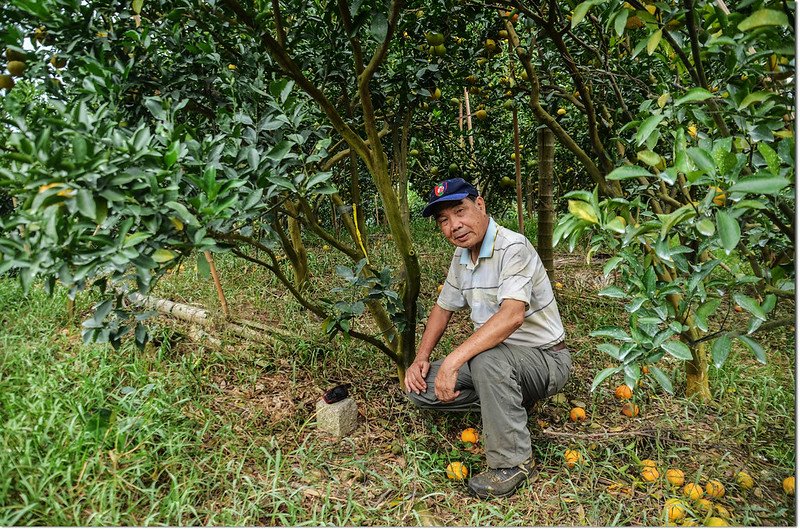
x: 508, y: 267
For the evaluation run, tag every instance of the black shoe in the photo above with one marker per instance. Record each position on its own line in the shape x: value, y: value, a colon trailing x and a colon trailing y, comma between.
x: 500, y: 482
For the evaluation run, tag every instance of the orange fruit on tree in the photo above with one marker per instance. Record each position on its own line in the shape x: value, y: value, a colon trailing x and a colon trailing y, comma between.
x: 719, y: 198
x: 623, y: 392
x: 675, y: 509
x: 649, y: 474
x: 715, y: 489
x: 693, y: 491
x: 675, y: 476
x: 577, y: 414
x: 470, y: 435
x: 788, y: 485
x: 572, y: 458
x: 630, y: 409
x: 457, y: 470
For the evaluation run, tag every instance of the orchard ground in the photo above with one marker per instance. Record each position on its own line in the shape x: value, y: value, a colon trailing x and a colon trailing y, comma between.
x: 188, y: 433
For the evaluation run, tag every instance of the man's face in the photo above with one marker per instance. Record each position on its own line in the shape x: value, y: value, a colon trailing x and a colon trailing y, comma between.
x: 464, y: 223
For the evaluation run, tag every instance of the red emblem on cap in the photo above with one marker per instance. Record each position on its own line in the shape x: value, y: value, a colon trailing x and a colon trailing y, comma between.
x: 440, y: 189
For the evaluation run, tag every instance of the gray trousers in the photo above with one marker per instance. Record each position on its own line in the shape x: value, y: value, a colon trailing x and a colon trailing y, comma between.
x: 501, y: 383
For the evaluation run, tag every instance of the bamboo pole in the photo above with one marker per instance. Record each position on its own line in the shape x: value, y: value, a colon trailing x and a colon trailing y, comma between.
x: 517, y: 154
x: 215, y: 276
x: 469, y: 125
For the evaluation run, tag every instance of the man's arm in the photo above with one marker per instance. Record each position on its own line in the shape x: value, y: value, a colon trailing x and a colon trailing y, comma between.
x: 434, y: 329
x: 492, y: 333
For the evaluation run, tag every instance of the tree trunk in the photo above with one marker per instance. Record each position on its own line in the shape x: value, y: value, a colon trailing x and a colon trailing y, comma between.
x: 530, y: 198
x: 546, y: 212
x: 355, y: 196
x: 300, y: 260
x: 697, y: 368
x: 402, y: 168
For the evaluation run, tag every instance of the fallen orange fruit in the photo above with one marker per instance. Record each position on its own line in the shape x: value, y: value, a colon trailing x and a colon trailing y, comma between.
x: 470, y: 435
x: 623, y: 392
x: 457, y: 470
x: 577, y: 414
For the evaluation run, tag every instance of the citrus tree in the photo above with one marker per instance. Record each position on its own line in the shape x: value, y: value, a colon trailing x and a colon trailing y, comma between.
x: 680, y: 114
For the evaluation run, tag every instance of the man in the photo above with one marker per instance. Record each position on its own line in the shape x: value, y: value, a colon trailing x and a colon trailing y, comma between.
x: 515, y: 356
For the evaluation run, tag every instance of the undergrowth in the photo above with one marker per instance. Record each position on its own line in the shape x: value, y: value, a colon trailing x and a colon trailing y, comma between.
x: 186, y: 432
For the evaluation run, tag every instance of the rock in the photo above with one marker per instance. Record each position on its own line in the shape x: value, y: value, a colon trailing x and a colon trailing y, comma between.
x: 338, y: 419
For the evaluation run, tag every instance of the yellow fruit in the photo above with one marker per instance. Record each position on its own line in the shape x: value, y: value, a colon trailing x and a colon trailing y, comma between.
x: 675, y: 509
x: 471, y: 79
x: 719, y: 198
x: 440, y: 288
x: 716, y: 522
x: 558, y: 285
x: 715, y: 489
x: 436, y: 94
x: 102, y: 34
x: 630, y: 410
x: 326, y: 247
x: 572, y: 458
x: 15, y: 68
x: 649, y: 474
x: 6, y: 81
x: 688, y: 522
x: 788, y: 485
x: 481, y: 114
x: 623, y: 392
x: 440, y: 50
x: 502, y: 34
x: 693, y: 131
x: 693, y: 491
x: 744, y: 480
x: 561, y: 111
x: 231, y: 67
x: 577, y: 414
x: 457, y: 470
x: 58, y: 62
x: 704, y: 505
x: 648, y: 463
x: 645, y: 370
x: 675, y: 476
x: 490, y: 45
x: 470, y: 435
x: 723, y: 512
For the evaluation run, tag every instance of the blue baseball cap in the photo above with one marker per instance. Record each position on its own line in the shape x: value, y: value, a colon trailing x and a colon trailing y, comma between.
x: 451, y: 190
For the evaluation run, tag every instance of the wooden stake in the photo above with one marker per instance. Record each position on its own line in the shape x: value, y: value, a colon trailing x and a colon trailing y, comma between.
x: 469, y: 124
x: 220, y: 294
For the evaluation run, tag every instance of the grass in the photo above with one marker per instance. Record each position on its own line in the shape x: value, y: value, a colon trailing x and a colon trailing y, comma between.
x: 187, y: 433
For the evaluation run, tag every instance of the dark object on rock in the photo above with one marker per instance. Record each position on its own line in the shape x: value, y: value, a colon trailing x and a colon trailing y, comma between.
x: 336, y: 394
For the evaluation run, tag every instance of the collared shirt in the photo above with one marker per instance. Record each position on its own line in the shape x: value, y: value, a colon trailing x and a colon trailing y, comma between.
x: 508, y: 267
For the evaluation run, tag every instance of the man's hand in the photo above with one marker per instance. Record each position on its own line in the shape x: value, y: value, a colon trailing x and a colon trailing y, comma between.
x: 445, y: 383
x: 415, y: 376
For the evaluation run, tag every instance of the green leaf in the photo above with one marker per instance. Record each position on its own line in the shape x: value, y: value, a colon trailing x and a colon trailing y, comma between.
x: 682, y: 214
x: 135, y: 238
x: 379, y: 27
x: 183, y: 213
x: 705, y: 227
x: 162, y: 255
x: 754, y: 347
x: 171, y: 156
x: 628, y: 171
x: 604, y: 374
x: 611, y: 264
x: 764, y: 17
x: 662, y: 379
x: 771, y: 157
x: 703, y: 160
x: 85, y: 202
x: 581, y: 10
x: 677, y: 349
x: 136, y: 5
x: 619, y: 22
x: 693, y: 95
x: 750, y: 305
x: 729, y: 231
x: 755, y: 97
x: 653, y: 41
x: 760, y: 183
x: 611, y: 332
x: 647, y: 127
x: 613, y: 292
x: 720, y: 350
x: 582, y: 210
x: 649, y: 157
x: 203, y: 266
x: 610, y: 349
x: 277, y: 153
